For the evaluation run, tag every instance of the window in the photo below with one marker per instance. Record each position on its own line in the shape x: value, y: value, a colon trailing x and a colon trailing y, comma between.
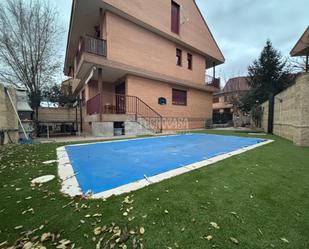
x: 179, y: 97
x: 175, y: 17
x: 189, y: 61
x: 215, y: 100
x: 178, y: 57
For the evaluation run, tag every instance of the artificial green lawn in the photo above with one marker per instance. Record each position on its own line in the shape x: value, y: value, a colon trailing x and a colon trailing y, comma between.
x: 260, y: 198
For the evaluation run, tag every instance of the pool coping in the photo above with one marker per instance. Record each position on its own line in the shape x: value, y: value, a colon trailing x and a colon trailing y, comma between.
x: 70, y: 185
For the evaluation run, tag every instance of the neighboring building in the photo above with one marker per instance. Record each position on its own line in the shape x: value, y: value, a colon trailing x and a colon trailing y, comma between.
x: 224, y: 111
x: 141, y: 64
x: 301, y: 49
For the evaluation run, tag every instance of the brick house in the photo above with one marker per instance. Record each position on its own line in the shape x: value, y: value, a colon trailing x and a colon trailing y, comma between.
x: 224, y: 110
x: 140, y: 65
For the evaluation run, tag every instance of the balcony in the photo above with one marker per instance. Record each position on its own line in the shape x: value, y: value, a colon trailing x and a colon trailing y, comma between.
x: 211, y: 81
x: 92, y: 45
x: 93, y: 105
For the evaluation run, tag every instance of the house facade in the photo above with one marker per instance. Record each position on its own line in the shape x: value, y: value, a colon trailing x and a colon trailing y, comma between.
x: 140, y: 65
x: 224, y: 109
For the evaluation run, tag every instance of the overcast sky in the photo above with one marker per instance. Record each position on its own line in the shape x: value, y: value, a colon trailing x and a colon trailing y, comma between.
x: 240, y: 27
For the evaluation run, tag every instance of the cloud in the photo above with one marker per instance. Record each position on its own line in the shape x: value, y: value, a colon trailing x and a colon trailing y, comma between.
x: 242, y: 27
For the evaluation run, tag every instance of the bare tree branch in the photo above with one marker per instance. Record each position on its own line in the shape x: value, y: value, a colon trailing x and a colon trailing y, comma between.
x: 28, y: 45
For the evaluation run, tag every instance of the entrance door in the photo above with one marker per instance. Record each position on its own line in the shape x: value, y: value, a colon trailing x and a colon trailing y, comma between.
x: 120, y: 98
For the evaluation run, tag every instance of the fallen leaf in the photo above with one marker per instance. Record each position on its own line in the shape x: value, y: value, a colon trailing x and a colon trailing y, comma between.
x: 18, y: 227
x: 209, y: 237
x: 127, y: 200
x: 97, y: 231
x: 131, y: 218
x: 285, y: 240
x: 235, y: 241
x: 45, y: 236
x: 3, y: 243
x: 28, y: 245
x: 215, y: 225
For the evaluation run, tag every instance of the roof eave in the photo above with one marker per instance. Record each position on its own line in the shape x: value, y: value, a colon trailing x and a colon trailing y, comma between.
x: 302, y: 52
x: 69, y: 37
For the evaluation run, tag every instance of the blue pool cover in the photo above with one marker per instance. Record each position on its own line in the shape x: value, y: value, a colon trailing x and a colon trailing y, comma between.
x: 107, y: 165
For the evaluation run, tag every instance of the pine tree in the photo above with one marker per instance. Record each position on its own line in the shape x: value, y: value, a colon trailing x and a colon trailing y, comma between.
x: 268, y: 75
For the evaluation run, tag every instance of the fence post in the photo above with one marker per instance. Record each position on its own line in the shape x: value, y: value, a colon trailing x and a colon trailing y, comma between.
x: 271, y: 106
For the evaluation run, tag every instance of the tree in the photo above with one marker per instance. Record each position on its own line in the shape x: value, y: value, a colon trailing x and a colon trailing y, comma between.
x: 62, y: 95
x: 28, y: 46
x: 268, y: 75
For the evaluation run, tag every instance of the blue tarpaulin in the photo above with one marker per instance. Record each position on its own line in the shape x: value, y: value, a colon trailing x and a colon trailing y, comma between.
x: 107, y: 165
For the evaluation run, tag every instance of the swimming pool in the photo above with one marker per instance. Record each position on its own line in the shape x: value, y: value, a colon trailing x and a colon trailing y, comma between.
x: 114, y: 167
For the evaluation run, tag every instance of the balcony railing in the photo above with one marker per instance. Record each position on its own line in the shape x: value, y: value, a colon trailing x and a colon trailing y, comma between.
x: 93, y: 105
x: 91, y: 45
x: 211, y: 81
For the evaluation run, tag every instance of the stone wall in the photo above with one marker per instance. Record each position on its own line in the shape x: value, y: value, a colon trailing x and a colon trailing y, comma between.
x: 8, y: 119
x: 291, y: 113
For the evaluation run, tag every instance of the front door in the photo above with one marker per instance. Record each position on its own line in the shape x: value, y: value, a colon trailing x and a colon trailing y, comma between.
x: 120, y: 98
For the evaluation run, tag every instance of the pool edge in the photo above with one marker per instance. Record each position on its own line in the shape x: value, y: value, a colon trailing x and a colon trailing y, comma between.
x: 70, y: 185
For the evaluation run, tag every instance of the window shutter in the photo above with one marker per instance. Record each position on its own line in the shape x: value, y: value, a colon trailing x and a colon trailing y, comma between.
x: 175, y: 17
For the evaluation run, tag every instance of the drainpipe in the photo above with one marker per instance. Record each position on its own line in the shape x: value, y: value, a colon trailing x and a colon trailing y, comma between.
x: 214, y: 70
x: 307, y: 63
x: 271, y: 105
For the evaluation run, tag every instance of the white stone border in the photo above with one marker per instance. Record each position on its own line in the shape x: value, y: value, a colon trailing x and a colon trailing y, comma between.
x: 70, y: 186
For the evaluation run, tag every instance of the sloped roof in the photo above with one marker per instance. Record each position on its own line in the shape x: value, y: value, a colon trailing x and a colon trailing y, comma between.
x: 152, y: 15
x: 236, y: 84
x: 302, y: 46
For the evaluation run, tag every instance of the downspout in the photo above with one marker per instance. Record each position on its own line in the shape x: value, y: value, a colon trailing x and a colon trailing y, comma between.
x: 307, y: 63
x: 271, y: 105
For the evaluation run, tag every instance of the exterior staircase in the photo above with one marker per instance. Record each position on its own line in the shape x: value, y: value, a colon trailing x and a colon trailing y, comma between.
x: 126, y: 108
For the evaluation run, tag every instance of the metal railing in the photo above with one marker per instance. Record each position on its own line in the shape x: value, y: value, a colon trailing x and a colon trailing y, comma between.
x: 90, y: 45
x: 132, y: 105
x: 211, y: 81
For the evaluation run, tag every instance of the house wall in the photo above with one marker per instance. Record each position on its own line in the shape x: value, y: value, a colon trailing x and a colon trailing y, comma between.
x: 198, y: 109
x: 291, y: 113
x: 131, y: 44
x: 193, y: 30
x: 8, y: 120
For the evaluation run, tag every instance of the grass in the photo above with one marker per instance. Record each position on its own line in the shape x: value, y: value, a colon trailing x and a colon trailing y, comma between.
x: 260, y: 198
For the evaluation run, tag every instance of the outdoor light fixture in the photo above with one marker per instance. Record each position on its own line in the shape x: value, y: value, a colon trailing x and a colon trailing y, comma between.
x: 162, y: 101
